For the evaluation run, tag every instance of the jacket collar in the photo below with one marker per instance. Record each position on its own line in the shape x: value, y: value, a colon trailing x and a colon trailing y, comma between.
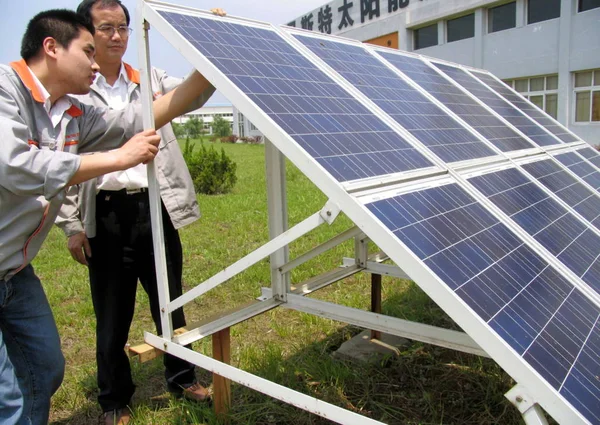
x: 26, y: 77
x: 29, y: 81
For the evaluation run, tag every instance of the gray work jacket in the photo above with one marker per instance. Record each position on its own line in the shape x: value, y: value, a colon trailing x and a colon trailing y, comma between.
x: 37, y: 160
x: 78, y: 212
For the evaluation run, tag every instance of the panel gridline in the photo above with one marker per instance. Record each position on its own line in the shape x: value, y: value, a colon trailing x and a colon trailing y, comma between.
x: 433, y: 127
x: 346, y: 138
x: 486, y: 123
x: 528, y: 108
x: 580, y: 167
x: 506, y: 110
x: 548, y: 322
x: 571, y: 241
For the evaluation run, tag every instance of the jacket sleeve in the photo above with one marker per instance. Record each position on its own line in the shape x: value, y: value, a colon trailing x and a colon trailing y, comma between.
x: 25, y: 169
x: 168, y: 83
x: 68, y: 218
x: 102, y: 129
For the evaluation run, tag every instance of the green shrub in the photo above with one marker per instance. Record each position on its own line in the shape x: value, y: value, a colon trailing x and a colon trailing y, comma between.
x: 211, y: 172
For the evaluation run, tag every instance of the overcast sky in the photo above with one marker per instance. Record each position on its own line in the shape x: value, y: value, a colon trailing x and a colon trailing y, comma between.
x: 16, y: 14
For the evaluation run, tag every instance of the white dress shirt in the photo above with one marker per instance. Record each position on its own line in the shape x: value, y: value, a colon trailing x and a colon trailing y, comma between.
x: 117, y: 97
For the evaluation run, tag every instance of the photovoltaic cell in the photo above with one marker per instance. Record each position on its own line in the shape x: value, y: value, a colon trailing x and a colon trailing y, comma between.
x: 567, y: 188
x: 526, y: 302
x: 571, y: 241
x: 591, y: 155
x: 506, y: 110
x: 346, y: 138
x: 527, y: 108
x: 433, y: 127
x: 582, y: 168
x: 487, y: 124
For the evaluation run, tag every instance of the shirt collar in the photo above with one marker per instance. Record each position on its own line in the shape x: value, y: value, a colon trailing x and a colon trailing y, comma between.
x: 122, y: 79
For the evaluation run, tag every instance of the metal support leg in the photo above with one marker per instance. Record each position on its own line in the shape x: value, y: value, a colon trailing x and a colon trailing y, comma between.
x: 277, y: 209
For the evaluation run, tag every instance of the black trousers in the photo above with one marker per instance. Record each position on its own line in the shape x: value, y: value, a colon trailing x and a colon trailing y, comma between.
x: 122, y: 253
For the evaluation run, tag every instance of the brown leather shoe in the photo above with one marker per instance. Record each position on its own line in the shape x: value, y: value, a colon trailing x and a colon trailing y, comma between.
x: 116, y: 417
x: 196, y: 392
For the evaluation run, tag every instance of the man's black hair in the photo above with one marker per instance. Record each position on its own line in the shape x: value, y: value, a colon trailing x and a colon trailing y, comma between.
x: 85, y: 8
x: 61, y: 24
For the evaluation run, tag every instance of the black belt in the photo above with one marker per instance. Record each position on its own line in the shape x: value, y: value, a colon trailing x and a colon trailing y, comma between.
x: 138, y: 191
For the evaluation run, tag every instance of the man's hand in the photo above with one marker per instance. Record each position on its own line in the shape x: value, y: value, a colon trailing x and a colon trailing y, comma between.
x: 78, y: 244
x: 218, y: 11
x: 141, y: 148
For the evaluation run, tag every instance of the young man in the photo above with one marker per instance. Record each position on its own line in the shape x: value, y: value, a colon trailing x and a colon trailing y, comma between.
x: 41, y: 131
x: 107, y: 221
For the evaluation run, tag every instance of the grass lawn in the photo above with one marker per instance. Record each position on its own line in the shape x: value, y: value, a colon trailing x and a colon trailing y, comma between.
x: 425, y: 385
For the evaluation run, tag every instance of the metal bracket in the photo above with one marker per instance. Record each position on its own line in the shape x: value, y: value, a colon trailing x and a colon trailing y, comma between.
x: 532, y: 413
x: 330, y: 212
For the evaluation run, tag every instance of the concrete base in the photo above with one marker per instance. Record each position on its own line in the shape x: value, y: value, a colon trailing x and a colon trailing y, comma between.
x: 364, y: 349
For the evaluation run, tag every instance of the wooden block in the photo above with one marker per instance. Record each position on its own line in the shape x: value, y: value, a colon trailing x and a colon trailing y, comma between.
x: 143, y: 352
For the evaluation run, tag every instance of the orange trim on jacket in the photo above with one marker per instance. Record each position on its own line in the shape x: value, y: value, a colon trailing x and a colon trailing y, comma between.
x: 132, y: 73
x: 74, y: 111
x: 25, y: 75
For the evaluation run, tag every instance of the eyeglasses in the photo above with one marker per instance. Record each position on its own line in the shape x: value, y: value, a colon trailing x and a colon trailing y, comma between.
x: 109, y: 30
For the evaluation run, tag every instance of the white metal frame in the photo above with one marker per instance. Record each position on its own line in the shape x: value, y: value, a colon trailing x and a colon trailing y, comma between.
x: 478, y: 339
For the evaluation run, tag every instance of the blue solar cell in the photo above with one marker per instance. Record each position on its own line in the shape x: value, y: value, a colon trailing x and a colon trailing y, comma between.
x: 527, y: 108
x: 487, y: 124
x: 567, y: 188
x: 346, y: 138
x: 591, y: 155
x: 581, y: 167
x: 506, y: 110
x: 529, y: 304
x: 575, y: 244
x: 406, y: 105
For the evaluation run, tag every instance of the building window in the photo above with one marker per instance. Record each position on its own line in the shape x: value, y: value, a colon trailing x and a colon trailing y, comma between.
x: 542, y: 10
x: 461, y: 28
x: 426, y: 36
x: 502, y: 17
x: 587, y: 96
x: 252, y: 127
x: 541, y: 91
x: 588, y: 5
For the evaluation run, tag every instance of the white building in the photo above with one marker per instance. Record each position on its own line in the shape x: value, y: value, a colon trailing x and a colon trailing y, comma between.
x: 549, y: 50
x: 207, y: 114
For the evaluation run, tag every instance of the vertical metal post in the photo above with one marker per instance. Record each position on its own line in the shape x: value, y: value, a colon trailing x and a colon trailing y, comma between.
x: 277, y: 216
x: 160, y: 259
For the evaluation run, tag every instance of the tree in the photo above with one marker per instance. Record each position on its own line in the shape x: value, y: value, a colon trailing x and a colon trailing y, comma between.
x: 178, y: 129
x: 221, y: 127
x: 194, y: 127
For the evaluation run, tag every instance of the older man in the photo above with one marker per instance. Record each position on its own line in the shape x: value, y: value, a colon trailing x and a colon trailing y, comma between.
x: 107, y: 221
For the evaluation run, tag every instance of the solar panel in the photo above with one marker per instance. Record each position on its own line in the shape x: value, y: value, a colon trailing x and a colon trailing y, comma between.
x: 338, y: 131
x: 433, y: 127
x: 570, y: 240
x: 506, y: 110
x: 528, y: 108
x: 487, y: 124
x: 580, y: 167
x: 547, y: 321
x: 508, y: 291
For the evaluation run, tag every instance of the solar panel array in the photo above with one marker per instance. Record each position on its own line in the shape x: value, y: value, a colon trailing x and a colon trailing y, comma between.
x: 514, y: 246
